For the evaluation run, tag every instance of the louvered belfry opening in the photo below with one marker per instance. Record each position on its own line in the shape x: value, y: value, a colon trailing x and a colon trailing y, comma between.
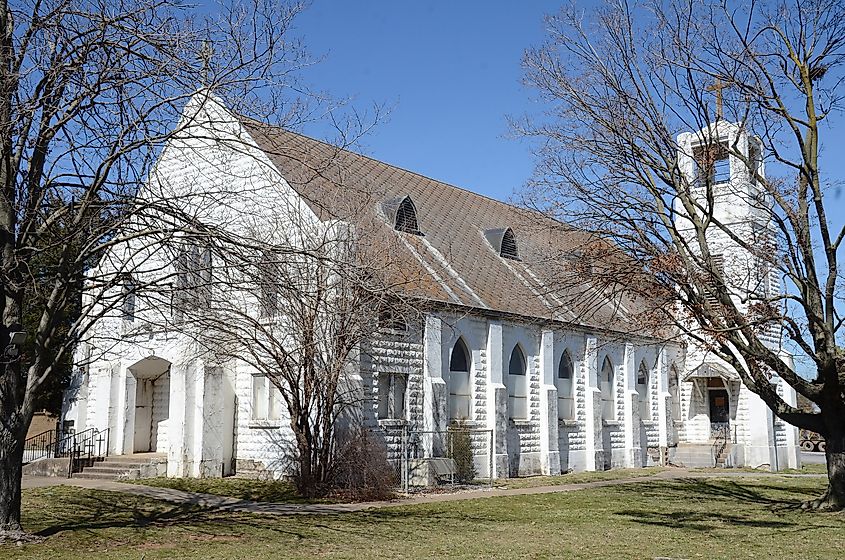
x: 406, y: 217
x: 509, y: 250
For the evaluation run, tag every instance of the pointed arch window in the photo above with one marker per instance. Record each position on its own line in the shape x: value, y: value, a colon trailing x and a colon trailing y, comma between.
x: 564, y: 382
x: 406, y: 217
x: 517, y: 384
x: 460, y: 388
x: 607, y: 380
x: 644, y: 392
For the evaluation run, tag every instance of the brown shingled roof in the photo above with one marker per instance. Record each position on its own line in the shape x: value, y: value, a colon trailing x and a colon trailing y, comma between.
x: 453, y: 256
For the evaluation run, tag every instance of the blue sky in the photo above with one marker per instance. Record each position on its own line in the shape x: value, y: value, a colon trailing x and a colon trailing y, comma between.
x: 449, y: 71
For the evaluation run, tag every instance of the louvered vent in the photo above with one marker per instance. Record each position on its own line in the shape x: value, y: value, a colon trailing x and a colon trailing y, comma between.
x: 406, y: 217
x: 509, y: 250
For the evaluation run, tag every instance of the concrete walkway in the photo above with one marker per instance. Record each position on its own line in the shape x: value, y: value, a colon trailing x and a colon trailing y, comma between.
x: 267, y: 508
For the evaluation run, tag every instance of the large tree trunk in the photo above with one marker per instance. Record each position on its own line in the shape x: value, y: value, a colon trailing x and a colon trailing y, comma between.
x: 835, y: 453
x: 834, y: 496
x: 12, y: 434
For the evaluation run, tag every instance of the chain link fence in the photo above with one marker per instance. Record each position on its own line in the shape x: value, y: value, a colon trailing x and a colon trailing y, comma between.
x: 426, y: 459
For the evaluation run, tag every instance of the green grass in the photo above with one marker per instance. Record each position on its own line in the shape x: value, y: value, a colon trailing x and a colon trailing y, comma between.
x: 805, y: 469
x: 702, y: 518
x: 241, y: 488
x: 576, y: 478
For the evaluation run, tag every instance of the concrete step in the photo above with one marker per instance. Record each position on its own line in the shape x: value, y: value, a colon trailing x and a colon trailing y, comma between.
x: 142, y: 459
x: 110, y: 469
x: 90, y: 473
x: 121, y: 464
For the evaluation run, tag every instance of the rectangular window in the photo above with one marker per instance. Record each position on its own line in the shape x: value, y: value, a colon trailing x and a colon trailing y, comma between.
x: 266, y: 399
x: 391, y: 396
x: 713, y: 164
x: 128, y: 305
x: 268, y: 296
x: 260, y: 397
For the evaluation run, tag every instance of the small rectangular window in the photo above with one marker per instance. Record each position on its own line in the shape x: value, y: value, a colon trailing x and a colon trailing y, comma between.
x: 713, y: 164
x: 268, y: 296
x: 128, y: 304
x: 391, y: 396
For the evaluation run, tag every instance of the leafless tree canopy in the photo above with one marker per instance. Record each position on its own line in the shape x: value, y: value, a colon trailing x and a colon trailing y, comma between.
x: 91, y: 91
x: 622, y: 83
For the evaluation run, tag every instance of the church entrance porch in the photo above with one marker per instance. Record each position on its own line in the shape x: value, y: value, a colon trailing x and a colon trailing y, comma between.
x: 147, y: 406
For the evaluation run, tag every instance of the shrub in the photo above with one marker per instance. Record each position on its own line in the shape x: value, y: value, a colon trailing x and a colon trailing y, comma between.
x: 460, y: 449
x: 361, y: 470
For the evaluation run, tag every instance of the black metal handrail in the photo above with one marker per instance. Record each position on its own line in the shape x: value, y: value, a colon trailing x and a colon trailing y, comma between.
x: 40, y: 446
x: 86, y: 447
x: 720, y: 433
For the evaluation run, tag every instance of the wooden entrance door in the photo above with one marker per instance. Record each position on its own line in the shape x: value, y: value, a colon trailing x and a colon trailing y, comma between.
x: 720, y: 410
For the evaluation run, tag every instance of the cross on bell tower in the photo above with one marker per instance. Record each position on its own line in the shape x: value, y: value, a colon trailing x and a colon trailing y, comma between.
x: 717, y: 87
x: 205, y: 55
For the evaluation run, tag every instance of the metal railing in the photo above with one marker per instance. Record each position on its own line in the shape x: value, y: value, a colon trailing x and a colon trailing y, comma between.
x: 86, y: 447
x: 720, y: 433
x: 40, y: 446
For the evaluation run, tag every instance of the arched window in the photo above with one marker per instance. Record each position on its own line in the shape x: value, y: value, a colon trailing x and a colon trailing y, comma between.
x: 565, y: 375
x: 607, y: 380
x: 406, y: 217
x: 517, y: 384
x: 460, y: 389
x: 643, y: 392
x: 675, y: 393
x: 509, y: 249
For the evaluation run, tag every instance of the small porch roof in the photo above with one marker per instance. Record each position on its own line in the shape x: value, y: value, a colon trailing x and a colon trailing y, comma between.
x: 712, y: 369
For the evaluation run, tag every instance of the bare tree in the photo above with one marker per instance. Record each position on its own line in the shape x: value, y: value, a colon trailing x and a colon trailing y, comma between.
x: 295, y: 300
x: 750, y: 84
x: 91, y: 91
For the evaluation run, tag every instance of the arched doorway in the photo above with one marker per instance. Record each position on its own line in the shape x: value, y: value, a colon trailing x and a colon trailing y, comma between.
x: 148, y: 391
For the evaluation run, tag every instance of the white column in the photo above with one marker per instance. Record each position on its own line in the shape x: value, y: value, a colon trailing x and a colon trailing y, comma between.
x: 435, y: 410
x: 759, y: 449
x: 497, y: 400
x: 176, y: 429
x: 549, y: 452
x: 592, y: 404
x: 792, y: 450
x: 123, y: 420
x: 631, y: 421
x: 663, y: 396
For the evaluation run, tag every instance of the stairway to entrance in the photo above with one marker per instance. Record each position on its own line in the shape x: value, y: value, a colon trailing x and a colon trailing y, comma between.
x: 122, y: 467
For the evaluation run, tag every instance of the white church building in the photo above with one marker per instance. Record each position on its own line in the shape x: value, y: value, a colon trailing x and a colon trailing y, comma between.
x: 496, y: 347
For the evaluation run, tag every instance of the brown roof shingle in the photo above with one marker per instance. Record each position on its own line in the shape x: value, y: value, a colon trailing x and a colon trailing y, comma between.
x: 454, y: 259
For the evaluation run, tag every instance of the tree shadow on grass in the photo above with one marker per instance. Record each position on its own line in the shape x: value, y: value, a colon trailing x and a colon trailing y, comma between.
x: 722, y: 504
x: 98, y: 510
x: 733, y: 490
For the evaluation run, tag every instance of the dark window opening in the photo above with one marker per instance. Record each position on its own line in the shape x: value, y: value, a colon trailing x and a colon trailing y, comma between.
x: 564, y: 368
x: 460, y: 357
x: 517, y: 362
x: 713, y: 164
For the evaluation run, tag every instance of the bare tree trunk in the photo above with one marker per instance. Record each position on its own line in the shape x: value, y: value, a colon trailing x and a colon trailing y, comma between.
x: 834, y: 496
x: 12, y: 434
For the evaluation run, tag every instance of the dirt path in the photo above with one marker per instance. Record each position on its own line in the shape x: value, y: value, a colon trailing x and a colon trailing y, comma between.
x: 268, y: 508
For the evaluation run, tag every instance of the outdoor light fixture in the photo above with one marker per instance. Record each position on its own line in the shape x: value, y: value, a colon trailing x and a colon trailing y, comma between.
x: 11, y: 346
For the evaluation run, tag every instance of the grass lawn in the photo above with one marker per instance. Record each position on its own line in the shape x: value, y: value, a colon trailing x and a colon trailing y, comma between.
x: 739, y: 518
x: 575, y: 478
